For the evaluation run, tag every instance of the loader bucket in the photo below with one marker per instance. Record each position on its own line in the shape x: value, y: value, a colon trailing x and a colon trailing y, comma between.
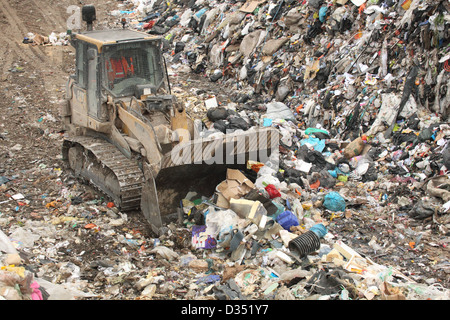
x: 200, y: 165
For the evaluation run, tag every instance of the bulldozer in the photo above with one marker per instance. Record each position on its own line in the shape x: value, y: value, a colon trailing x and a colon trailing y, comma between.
x: 129, y: 136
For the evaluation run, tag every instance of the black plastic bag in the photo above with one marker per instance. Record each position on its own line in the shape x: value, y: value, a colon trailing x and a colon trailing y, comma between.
x: 238, y: 123
x: 218, y: 113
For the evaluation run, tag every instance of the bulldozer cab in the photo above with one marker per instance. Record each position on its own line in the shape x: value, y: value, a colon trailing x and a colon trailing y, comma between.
x: 129, y: 65
x: 120, y: 63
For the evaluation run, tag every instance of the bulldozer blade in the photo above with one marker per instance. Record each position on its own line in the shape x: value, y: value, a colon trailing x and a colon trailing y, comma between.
x: 150, y: 205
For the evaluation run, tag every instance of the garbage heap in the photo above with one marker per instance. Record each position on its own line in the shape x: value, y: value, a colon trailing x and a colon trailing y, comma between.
x: 359, y: 93
x: 329, y: 61
x: 358, y: 90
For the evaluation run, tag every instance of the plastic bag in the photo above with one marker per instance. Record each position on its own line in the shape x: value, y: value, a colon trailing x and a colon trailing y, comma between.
x: 220, y: 222
x: 266, y: 179
x: 333, y: 201
x: 314, y: 143
x: 272, y: 191
x: 24, y: 238
x: 278, y: 110
x: 287, y: 219
x: 165, y: 252
x: 5, y: 244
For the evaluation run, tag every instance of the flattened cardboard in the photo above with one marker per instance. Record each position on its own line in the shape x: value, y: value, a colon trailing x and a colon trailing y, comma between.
x: 251, y: 5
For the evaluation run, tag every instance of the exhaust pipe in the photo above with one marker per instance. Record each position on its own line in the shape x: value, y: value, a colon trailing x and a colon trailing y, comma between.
x: 89, y: 16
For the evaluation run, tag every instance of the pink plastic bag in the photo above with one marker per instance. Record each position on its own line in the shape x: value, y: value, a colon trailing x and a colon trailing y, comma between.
x: 36, y: 294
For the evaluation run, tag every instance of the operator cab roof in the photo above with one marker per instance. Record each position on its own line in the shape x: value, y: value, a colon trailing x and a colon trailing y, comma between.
x: 111, y: 36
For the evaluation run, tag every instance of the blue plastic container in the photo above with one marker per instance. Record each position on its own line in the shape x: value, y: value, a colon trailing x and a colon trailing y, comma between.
x: 287, y: 219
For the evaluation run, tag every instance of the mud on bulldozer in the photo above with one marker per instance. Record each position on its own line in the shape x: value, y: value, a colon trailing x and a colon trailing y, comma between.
x: 129, y: 136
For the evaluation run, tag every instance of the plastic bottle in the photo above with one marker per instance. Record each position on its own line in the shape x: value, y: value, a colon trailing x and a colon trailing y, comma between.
x: 355, y: 147
x: 309, y: 241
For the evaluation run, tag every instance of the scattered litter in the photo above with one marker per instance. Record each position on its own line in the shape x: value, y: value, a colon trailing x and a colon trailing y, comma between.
x: 354, y: 207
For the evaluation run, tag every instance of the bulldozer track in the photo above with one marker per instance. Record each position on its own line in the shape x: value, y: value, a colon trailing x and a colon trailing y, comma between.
x: 103, y: 160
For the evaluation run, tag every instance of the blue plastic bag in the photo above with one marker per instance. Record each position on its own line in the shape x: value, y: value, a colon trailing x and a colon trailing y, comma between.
x: 319, y: 229
x: 212, y: 278
x: 267, y: 122
x: 315, y: 143
x: 323, y: 13
x: 333, y: 201
x: 287, y: 219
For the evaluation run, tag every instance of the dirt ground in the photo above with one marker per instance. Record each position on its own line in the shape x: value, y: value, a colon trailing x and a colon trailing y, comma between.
x: 32, y: 87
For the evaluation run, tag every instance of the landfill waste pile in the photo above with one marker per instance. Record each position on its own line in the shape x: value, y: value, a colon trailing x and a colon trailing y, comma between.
x: 353, y: 206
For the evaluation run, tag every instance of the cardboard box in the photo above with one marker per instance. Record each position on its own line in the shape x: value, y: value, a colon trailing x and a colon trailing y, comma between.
x: 235, y: 186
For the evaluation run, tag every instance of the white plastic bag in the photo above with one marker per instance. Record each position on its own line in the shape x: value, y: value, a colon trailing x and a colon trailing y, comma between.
x: 220, y: 222
x: 5, y: 244
x: 264, y: 180
x: 165, y: 252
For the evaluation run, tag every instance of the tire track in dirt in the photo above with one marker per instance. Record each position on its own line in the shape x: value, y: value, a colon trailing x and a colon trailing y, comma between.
x: 7, y: 62
x: 55, y: 19
x: 18, y: 31
x: 15, y: 47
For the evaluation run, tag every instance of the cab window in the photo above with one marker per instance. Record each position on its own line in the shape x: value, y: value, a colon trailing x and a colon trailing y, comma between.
x: 131, y: 64
x: 81, y: 72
